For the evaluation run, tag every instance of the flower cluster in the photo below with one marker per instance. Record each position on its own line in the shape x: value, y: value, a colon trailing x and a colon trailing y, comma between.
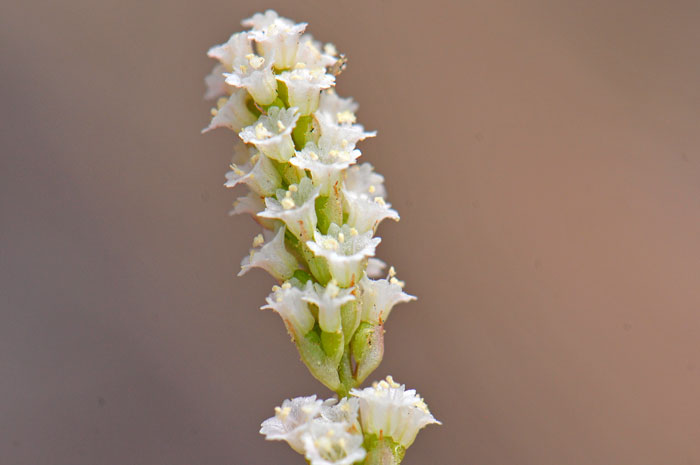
x: 319, y: 210
x: 336, y: 432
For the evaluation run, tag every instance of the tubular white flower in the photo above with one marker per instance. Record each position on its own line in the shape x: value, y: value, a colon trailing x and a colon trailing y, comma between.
x: 296, y: 207
x: 287, y: 302
x: 388, y: 409
x: 276, y: 34
x: 338, y: 109
x: 304, y: 87
x: 271, y: 257
x: 344, y: 411
x: 232, y: 113
x: 254, y: 73
x: 365, y: 213
x: 328, y: 300
x: 311, y: 55
x: 361, y: 179
x: 327, y: 443
x: 258, y: 173
x: 272, y: 133
x: 237, y: 46
x: 345, y: 250
x: 378, y: 297
x: 326, y: 164
x: 291, y: 420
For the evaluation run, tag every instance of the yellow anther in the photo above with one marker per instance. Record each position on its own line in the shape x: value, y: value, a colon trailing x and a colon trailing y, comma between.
x: 275, y: 288
x: 236, y: 170
x: 392, y: 271
x: 255, y: 61
x: 214, y: 112
x: 258, y: 240
x: 286, y: 286
x: 342, y: 443
x: 254, y: 158
x: 346, y: 117
x: 281, y: 126
x: 313, y: 155
x: 398, y: 282
x: 261, y: 132
x: 341, y: 238
x: 372, y: 189
x: 391, y: 382
x: 293, y: 188
x: 296, y: 77
x: 333, y: 153
x: 353, y: 232
x: 288, y: 203
x: 221, y: 102
x: 330, y: 244
x: 279, y: 299
x: 243, y: 68
x: 300, y: 65
x: 380, y: 201
x: 307, y: 409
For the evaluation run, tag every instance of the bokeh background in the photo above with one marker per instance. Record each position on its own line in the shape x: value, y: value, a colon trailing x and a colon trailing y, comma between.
x: 543, y: 156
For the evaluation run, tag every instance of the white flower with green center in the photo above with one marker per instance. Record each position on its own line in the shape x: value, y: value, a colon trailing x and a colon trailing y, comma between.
x: 378, y: 297
x: 254, y: 73
x: 271, y: 257
x: 328, y: 443
x: 291, y: 420
x: 304, y: 87
x: 237, y: 46
x: 361, y: 179
x: 287, y: 301
x: 272, y: 133
x: 278, y: 35
x: 325, y: 163
x: 231, y: 112
x: 328, y: 300
x: 346, y: 252
x: 296, y: 207
x: 387, y: 409
x: 258, y: 173
x: 366, y: 212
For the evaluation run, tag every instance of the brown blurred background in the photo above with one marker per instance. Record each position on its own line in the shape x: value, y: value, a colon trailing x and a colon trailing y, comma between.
x: 543, y: 156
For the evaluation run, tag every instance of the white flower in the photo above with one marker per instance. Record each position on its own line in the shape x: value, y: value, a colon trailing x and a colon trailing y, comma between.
x: 378, y: 297
x: 259, y: 174
x: 287, y: 301
x: 345, y: 250
x: 232, y: 113
x: 375, y: 267
x: 365, y: 212
x: 216, y: 83
x: 238, y: 45
x: 291, y: 420
x: 296, y: 207
x: 325, y: 163
x: 361, y: 179
x: 329, y: 443
x: 272, y: 133
x: 388, y: 409
x: 278, y: 35
x: 334, y: 106
x: 311, y: 55
x: 335, y: 119
x: 328, y: 300
x: 304, y: 87
x: 255, y: 74
x: 271, y: 257
x: 343, y: 411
